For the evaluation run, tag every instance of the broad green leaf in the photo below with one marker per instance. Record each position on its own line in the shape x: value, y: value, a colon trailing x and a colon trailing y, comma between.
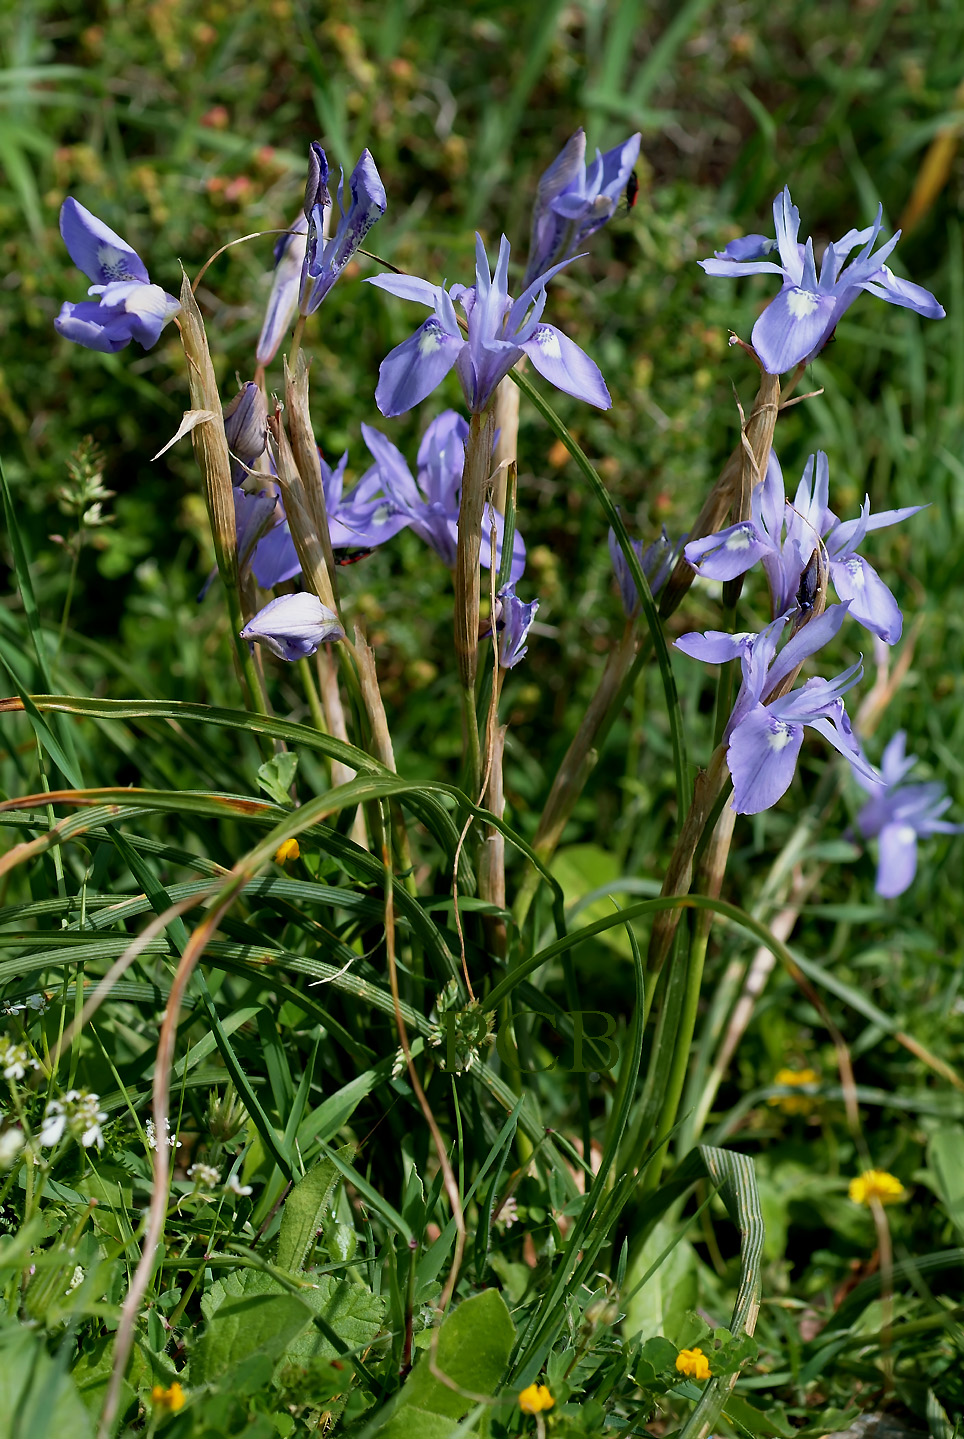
x: 38, y: 1400
x: 474, y: 1345
x: 350, y: 1310
x: 662, y: 1304
x: 411, y: 1421
x: 945, y: 1159
x: 277, y: 775
x: 248, y: 1314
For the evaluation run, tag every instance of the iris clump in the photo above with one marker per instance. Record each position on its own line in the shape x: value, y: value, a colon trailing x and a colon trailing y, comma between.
x: 128, y: 307
x: 794, y: 328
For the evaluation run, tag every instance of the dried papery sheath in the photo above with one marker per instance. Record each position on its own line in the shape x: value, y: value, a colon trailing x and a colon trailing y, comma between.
x: 306, y: 456
x: 293, y: 626
x: 209, y: 440
x: 304, y: 532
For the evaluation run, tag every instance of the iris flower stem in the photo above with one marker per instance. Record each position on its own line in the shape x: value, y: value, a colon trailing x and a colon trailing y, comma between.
x: 617, y: 681
x: 475, y: 478
x: 296, y: 341
x: 710, y: 784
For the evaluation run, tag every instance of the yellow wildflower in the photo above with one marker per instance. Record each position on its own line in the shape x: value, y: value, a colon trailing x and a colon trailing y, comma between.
x: 535, y: 1398
x: 287, y: 851
x: 172, y: 1399
x: 794, y: 1103
x: 876, y: 1184
x: 693, y: 1363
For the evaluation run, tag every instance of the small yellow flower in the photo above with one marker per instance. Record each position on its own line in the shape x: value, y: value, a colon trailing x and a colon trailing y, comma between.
x: 535, y: 1398
x: 876, y: 1184
x: 172, y: 1399
x: 693, y: 1363
x: 287, y: 851
x: 794, y: 1103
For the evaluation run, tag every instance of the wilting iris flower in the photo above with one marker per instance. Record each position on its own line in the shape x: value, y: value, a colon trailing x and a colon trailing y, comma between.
x: 657, y: 561
x: 764, y: 739
x: 799, y: 322
x: 574, y: 200
x: 293, y: 626
x: 513, y: 619
x: 784, y: 536
x: 387, y: 498
x: 899, y: 814
x: 501, y: 331
x: 325, y: 260
x: 246, y: 430
x: 276, y: 559
x: 289, y: 259
x: 128, y: 307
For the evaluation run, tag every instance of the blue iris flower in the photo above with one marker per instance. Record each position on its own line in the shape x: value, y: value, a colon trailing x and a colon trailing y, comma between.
x: 128, y: 307
x: 325, y: 259
x: 799, y: 322
x: 899, y: 814
x: 501, y: 330
x: 575, y: 199
x: 764, y: 737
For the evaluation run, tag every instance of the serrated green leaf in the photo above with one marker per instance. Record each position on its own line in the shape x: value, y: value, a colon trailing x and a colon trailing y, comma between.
x: 350, y: 1310
x: 304, y: 1210
x: 248, y: 1313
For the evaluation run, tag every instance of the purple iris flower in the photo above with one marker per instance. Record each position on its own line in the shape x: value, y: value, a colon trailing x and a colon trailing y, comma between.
x: 289, y: 259
x: 899, y: 814
x: 128, y: 307
x: 799, y: 322
x: 501, y: 331
x: 513, y: 619
x: 293, y: 626
x: 574, y: 200
x: 764, y: 739
x: 657, y: 561
x: 387, y: 498
x: 325, y: 259
x: 784, y: 537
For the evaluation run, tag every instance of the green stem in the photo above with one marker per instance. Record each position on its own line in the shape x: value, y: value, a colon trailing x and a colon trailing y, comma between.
x: 69, y: 597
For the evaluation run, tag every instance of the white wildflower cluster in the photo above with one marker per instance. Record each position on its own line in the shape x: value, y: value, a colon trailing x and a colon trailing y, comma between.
x: 36, y: 1003
x: 151, y: 1134
x: 508, y: 1213
x: 79, y: 1114
x: 205, y: 1176
x: 232, y: 1186
x: 15, y: 1059
x: 76, y: 1279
